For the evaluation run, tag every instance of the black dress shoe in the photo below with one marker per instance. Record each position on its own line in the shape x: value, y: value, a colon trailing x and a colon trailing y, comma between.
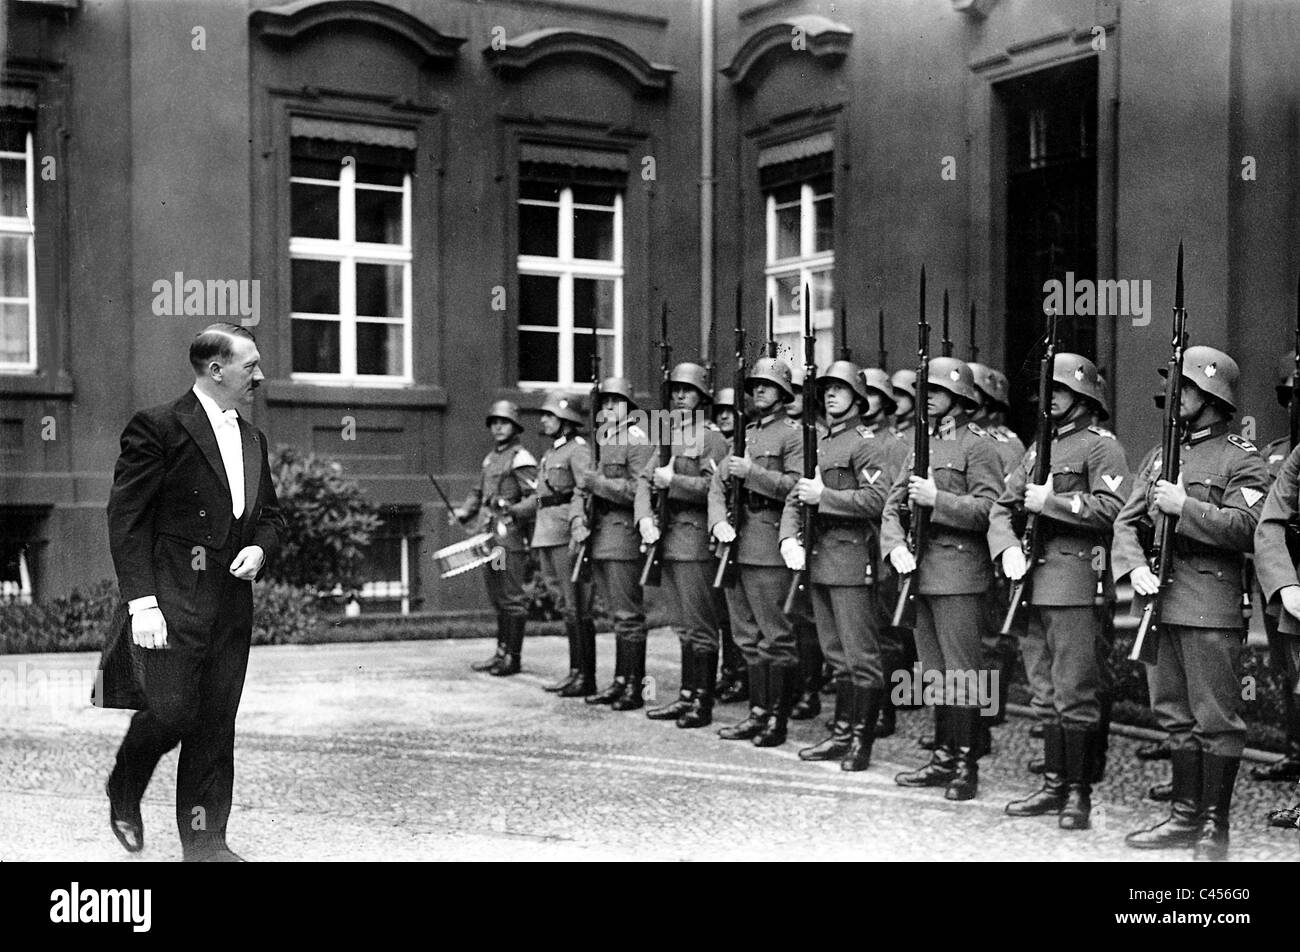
x: 1285, y: 819
x: 1161, y: 792
x: 124, y: 819
x: 1287, y: 770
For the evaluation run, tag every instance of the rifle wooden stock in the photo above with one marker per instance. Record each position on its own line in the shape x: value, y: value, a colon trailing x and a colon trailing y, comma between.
x: 1161, y: 558
x: 725, y: 576
x: 917, y: 519
x: 652, y: 568
x: 905, y: 608
x: 798, y: 600
x: 1033, y: 541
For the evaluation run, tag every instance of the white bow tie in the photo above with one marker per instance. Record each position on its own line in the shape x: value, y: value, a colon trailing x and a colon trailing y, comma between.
x: 230, y: 417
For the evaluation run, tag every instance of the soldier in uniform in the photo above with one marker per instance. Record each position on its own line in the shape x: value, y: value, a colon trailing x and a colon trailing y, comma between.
x: 1195, y: 689
x: 556, y: 506
x: 893, y: 641
x: 1282, y: 646
x: 773, y: 461
x: 955, y: 570
x: 812, y: 663
x: 500, y: 500
x: 1076, y: 508
x: 847, y: 496
x: 733, y: 677
x: 1275, y: 538
x: 903, y: 383
x: 615, y: 554
x: 697, y: 447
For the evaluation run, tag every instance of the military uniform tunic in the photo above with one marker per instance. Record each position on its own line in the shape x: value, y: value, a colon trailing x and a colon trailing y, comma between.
x: 1195, y: 691
x: 507, y: 478
x: 615, y: 545
x: 557, y: 505
x: 841, y: 570
x: 1274, y: 566
x: 686, y: 551
x: 774, y: 446
x: 954, y: 572
x: 1065, y: 646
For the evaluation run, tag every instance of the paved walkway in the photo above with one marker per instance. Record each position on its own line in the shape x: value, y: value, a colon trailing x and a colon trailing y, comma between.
x: 397, y: 751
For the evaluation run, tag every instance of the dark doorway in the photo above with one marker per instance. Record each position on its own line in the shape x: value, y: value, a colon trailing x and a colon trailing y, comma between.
x: 1051, y: 155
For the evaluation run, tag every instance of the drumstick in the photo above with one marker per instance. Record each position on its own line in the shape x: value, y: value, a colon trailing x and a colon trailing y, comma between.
x: 445, y: 501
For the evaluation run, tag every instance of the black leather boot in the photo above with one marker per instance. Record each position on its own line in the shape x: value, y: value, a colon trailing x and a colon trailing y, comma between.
x: 808, y: 703
x: 1051, y: 796
x: 1288, y: 768
x: 1218, y: 775
x: 1038, y: 731
x: 575, y: 659
x: 1080, y: 761
x: 585, y: 683
x: 966, y: 733
x: 1161, y: 792
x: 940, y: 728
x: 780, y: 694
x: 943, y: 759
x: 632, y: 697
x: 701, y: 710
x: 887, y: 723
x: 837, y: 744
x: 754, y: 722
x: 619, y: 685
x: 493, y: 661
x: 1183, y: 826
x: 1287, y: 818
x: 732, y: 684
x: 690, y: 680
x: 866, y: 713
x: 509, y: 663
x: 737, y: 686
x: 1101, y: 744
x: 1160, y: 750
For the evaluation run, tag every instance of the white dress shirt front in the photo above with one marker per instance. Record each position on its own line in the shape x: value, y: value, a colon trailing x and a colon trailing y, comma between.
x: 225, y: 424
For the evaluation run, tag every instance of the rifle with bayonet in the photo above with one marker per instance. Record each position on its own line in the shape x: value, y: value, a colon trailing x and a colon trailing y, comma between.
x: 916, y: 519
x: 884, y: 354
x: 1033, y: 541
x: 725, y: 577
x: 582, y: 561
x: 974, y: 348
x: 945, y: 346
x: 845, y: 352
x: 652, y: 569
x: 1295, y: 378
x: 798, y: 600
x: 771, y: 330
x: 1160, y: 558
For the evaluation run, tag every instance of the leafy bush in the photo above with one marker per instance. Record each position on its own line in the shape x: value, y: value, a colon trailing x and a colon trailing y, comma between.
x: 78, y: 622
x: 328, y: 523
x: 284, y: 615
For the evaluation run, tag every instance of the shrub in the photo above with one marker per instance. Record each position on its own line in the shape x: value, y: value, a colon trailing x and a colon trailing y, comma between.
x: 78, y: 622
x: 328, y: 523
x: 284, y: 614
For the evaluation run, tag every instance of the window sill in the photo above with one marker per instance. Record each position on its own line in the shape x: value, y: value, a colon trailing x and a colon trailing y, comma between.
x: 37, y: 385
x: 288, y: 392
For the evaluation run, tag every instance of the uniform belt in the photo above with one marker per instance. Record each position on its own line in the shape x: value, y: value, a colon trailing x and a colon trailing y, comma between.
x: 757, y: 502
x: 677, y: 508
x: 839, y: 522
x: 555, y: 499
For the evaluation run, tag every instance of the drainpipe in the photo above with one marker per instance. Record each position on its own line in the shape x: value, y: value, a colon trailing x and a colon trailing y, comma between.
x: 706, y: 173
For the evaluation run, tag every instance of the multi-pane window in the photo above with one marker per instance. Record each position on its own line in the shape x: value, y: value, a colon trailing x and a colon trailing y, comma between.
x: 17, y: 250
x: 800, y: 210
x: 350, y: 261
x: 570, y: 277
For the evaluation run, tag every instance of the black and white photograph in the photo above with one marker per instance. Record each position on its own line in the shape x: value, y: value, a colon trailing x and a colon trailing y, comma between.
x: 762, y: 431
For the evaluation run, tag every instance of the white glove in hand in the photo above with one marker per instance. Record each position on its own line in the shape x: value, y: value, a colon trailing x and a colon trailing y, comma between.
x: 649, y: 531
x: 149, y: 628
x: 1013, y: 563
x: 793, y: 555
x: 723, y: 532
x: 902, y: 561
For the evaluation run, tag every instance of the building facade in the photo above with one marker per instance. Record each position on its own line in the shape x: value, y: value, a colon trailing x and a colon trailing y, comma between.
x: 420, y: 206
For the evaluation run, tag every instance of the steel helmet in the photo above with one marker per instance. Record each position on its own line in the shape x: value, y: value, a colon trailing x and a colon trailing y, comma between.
x: 1079, y: 375
x: 616, y: 387
x: 796, y: 378
x: 725, y: 399
x: 775, y: 371
x: 847, y: 373
x: 904, y: 381
x: 1212, y: 372
x: 992, y: 383
x: 951, y: 374
x: 565, y: 407
x: 504, y: 410
x: 692, y: 375
x: 873, y: 378
x: 1285, y: 388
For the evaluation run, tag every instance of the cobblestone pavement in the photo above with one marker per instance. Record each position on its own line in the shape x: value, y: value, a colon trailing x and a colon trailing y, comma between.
x: 397, y: 751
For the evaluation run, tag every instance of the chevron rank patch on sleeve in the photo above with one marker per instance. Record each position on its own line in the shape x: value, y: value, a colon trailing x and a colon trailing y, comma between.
x: 1251, y: 496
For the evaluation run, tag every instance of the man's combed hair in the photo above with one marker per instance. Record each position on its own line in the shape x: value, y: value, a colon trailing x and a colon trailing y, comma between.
x: 216, y: 340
